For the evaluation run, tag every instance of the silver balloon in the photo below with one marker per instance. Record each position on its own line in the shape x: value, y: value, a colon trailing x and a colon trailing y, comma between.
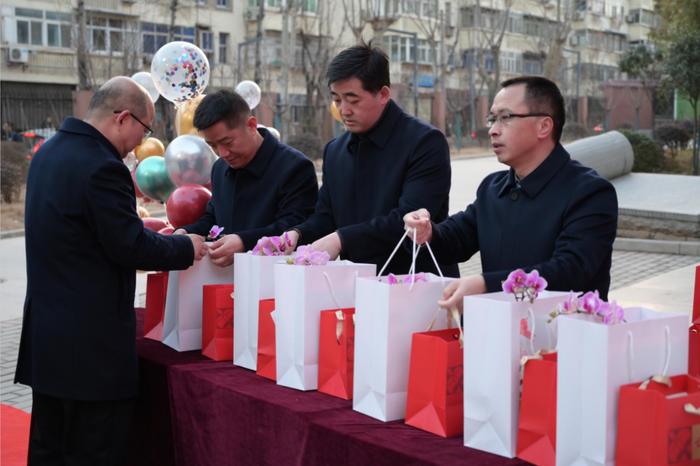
x: 145, y: 80
x: 250, y: 92
x: 188, y: 160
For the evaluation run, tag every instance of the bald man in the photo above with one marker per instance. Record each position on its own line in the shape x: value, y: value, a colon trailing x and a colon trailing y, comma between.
x: 84, y: 242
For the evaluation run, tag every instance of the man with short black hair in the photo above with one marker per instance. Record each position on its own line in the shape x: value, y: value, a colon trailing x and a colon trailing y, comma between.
x: 84, y: 242
x: 386, y: 164
x: 547, y: 212
x: 260, y: 186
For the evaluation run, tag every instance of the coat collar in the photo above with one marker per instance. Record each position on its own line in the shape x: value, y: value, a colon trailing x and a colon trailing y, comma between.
x: 258, y: 165
x: 535, y: 182
x: 76, y: 126
x: 380, y: 133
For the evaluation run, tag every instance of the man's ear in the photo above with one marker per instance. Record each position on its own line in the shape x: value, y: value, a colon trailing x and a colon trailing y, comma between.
x: 545, y: 128
x: 252, y: 123
x: 384, y: 94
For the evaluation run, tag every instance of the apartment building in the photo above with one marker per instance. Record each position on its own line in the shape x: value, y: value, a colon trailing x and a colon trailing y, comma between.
x: 445, y: 55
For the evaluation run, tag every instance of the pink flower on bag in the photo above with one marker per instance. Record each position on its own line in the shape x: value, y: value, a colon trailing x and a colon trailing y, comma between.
x: 524, y: 285
x: 306, y: 255
x: 215, y: 232
x: 611, y: 313
x: 271, y: 245
x: 392, y: 279
x: 590, y: 302
x: 570, y: 305
x: 515, y: 282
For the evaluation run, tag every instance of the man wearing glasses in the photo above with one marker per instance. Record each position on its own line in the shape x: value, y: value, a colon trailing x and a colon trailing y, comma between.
x: 547, y: 212
x: 84, y: 242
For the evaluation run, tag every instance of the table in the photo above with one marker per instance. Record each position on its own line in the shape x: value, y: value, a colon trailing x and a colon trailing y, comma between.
x: 195, y: 411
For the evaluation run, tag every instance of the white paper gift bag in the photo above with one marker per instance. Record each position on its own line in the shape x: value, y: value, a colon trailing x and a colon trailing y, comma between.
x: 386, y: 317
x: 493, y: 346
x: 254, y: 281
x: 301, y: 293
x: 594, y: 360
x: 182, y: 324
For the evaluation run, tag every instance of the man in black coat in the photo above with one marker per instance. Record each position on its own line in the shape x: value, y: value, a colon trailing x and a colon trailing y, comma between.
x: 260, y: 186
x: 547, y: 212
x: 386, y: 164
x: 84, y: 242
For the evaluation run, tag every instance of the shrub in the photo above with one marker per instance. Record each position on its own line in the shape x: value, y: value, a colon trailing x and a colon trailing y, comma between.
x: 648, y: 155
x: 573, y: 131
x: 482, y: 136
x: 309, y: 144
x: 13, y: 169
x: 674, y: 137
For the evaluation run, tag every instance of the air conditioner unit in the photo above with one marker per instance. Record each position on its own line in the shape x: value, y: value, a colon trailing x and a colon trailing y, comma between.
x: 18, y: 55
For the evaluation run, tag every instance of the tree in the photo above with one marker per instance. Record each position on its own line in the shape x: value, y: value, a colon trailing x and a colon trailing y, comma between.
x: 683, y: 70
x: 679, y: 17
x: 644, y: 64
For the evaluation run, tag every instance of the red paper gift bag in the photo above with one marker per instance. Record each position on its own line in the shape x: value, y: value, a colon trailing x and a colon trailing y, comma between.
x: 537, y: 422
x: 435, y: 400
x: 156, y: 290
x: 659, y: 425
x: 267, y: 365
x: 217, y: 322
x: 336, y: 352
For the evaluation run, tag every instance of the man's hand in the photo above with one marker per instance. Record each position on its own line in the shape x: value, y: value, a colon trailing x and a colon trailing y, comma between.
x: 330, y: 244
x: 200, y: 247
x: 454, y: 292
x: 180, y: 231
x: 222, y: 250
x: 420, y: 220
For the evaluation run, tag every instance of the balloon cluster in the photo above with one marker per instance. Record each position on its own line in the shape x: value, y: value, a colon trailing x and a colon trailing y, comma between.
x: 176, y: 175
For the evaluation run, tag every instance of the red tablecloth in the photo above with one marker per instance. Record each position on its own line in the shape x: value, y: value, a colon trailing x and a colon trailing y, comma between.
x: 220, y: 414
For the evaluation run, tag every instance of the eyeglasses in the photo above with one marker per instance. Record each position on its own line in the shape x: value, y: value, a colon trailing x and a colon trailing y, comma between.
x: 148, y: 129
x: 505, y: 118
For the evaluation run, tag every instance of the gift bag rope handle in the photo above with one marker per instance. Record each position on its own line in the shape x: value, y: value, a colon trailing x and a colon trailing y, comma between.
x: 663, y: 378
x: 415, y: 249
x: 339, y: 313
x: 690, y: 409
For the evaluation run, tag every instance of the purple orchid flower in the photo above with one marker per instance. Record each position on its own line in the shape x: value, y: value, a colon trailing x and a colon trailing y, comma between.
x: 215, y: 232
x: 569, y: 306
x: 591, y: 302
x: 515, y: 282
x: 611, y: 312
x: 391, y: 279
x: 306, y: 255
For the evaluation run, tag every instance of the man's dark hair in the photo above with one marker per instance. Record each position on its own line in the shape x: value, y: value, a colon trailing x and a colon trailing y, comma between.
x: 365, y: 62
x: 222, y: 105
x: 542, y: 95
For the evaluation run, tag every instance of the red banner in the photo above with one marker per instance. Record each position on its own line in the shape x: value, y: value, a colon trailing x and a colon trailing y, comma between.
x: 217, y: 322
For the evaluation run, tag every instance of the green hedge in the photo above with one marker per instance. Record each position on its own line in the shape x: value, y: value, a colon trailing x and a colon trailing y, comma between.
x: 648, y: 155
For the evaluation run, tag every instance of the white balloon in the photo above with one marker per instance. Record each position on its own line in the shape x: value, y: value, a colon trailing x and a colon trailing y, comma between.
x: 145, y: 80
x: 180, y: 71
x: 250, y: 92
x: 274, y: 132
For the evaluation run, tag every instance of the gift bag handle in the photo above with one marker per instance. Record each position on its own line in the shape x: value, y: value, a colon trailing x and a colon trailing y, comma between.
x: 339, y: 313
x: 691, y: 409
x: 415, y: 250
x: 663, y: 378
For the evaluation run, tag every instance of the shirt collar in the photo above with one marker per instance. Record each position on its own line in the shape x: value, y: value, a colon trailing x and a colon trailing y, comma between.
x: 380, y: 133
x: 76, y: 126
x: 533, y: 183
x: 261, y: 160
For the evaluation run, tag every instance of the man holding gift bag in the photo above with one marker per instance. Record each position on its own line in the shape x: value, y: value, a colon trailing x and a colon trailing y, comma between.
x: 260, y: 186
x: 547, y: 212
x: 386, y: 164
x: 84, y: 242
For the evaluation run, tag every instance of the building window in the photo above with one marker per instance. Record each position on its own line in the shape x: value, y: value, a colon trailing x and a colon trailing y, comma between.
x: 308, y: 5
x: 429, y: 9
x: 105, y: 34
x: 156, y: 35
x: 222, y: 3
x: 223, y: 47
x: 411, y: 7
x: 44, y: 28
x: 206, y: 42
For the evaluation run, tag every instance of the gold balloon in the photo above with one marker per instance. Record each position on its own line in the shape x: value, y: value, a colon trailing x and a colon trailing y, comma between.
x: 149, y: 147
x: 184, y: 118
x: 335, y: 112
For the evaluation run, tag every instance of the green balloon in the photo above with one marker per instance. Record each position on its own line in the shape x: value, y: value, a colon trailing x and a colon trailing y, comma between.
x: 153, y: 180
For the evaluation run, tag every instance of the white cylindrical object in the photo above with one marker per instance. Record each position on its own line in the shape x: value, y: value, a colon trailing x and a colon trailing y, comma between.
x: 609, y: 154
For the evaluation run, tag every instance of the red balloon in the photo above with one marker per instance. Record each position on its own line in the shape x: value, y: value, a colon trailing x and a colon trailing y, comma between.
x: 167, y: 230
x: 186, y: 204
x: 136, y: 186
x: 154, y: 224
